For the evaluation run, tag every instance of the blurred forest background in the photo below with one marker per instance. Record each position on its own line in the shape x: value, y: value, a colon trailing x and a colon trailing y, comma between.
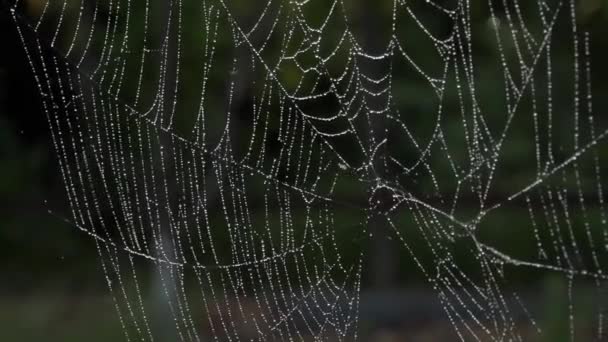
x: 51, y: 284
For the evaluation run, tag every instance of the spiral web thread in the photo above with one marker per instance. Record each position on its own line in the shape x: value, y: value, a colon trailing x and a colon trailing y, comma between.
x: 222, y: 143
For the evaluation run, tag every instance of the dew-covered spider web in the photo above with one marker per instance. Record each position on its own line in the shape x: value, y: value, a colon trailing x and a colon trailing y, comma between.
x: 239, y: 157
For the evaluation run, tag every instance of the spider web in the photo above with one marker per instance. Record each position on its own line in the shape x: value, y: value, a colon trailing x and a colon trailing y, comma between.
x: 236, y: 148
